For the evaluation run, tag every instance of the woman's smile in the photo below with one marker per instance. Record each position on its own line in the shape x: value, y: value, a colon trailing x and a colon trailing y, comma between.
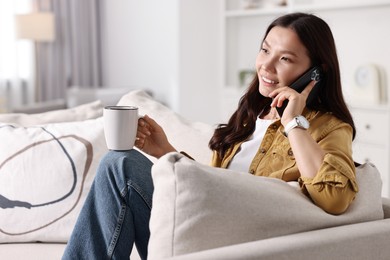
x: 269, y: 81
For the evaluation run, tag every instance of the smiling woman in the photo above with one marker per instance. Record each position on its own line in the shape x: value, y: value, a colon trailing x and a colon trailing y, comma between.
x: 307, y: 144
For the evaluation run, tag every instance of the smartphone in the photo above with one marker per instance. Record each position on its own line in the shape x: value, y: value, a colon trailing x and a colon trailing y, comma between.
x: 314, y: 73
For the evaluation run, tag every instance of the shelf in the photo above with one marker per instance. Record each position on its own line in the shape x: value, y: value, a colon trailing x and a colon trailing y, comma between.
x: 305, y: 8
x: 256, y: 12
x: 356, y: 23
x: 380, y: 107
x: 373, y: 107
x: 341, y: 5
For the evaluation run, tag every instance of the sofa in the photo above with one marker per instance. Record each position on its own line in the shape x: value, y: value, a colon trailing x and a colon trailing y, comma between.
x: 74, y: 96
x: 48, y: 163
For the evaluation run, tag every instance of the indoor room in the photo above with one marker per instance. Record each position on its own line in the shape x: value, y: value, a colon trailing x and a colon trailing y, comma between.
x: 188, y: 66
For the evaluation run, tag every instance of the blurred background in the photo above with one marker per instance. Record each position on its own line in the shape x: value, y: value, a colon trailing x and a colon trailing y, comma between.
x: 196, y: 56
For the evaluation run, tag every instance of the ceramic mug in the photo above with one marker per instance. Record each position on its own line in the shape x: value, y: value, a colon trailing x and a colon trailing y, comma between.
x: 120, y: 127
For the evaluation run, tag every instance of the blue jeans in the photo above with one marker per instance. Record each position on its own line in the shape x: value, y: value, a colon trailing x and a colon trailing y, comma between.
x: 116, y: 212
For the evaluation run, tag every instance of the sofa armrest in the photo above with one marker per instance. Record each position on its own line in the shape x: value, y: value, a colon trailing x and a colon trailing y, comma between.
x: 386, y: 207
x: 368, y: 240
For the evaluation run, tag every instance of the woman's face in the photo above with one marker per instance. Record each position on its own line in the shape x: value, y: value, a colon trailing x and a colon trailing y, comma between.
x: 281, y: 60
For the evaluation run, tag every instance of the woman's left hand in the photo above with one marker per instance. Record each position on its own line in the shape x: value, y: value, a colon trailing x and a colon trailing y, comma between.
x: 296, y: 101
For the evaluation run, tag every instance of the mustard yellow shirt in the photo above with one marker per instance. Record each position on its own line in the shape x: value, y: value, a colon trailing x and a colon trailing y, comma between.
x: 334, y: 186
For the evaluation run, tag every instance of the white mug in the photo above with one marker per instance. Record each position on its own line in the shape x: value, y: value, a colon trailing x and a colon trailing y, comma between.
x: 120, y: 127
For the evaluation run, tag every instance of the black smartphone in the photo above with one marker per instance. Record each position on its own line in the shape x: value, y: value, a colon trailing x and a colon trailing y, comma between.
x: 314, y: 73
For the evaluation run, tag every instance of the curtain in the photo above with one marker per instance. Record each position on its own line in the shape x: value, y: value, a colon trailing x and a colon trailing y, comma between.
x: 16, y: 59
x: 74, y: 58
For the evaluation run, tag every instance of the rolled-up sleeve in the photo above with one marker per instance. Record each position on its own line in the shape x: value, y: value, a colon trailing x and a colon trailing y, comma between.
x: 334, y: 187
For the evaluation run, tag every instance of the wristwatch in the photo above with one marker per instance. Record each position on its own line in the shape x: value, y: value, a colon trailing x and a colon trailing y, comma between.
x: 298, y: 121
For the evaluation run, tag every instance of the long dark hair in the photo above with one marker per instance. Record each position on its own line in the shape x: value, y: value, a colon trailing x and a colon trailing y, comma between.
x: 317, y: 37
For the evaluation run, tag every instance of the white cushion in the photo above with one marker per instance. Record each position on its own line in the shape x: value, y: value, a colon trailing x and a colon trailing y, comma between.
x: 79, y: 113
x: 45, y: 174
x: 197, y: 207
x: 191, y: 137
x: 35, y: 168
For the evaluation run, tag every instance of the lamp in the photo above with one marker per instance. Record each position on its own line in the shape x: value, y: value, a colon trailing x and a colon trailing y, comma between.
x: 39, y: 27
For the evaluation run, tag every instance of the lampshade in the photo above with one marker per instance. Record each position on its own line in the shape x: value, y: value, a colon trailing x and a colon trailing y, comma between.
x: 35, y: 26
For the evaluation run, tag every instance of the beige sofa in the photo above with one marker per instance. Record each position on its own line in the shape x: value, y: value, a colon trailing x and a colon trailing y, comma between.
x: 361, y: 240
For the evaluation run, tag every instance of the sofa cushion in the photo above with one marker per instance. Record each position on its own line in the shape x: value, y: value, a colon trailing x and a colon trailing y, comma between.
x: 45, y: 174
x: 185, y: 135
x: 46, y: 163
x: 197, y: 207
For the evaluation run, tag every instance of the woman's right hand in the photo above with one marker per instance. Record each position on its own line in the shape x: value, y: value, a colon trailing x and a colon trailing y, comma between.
x: 151, y: 138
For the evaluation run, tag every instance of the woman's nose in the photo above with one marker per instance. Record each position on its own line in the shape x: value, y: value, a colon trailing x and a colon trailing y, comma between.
x: 269, y: 65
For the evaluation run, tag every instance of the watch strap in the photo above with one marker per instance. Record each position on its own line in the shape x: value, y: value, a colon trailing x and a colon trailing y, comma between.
x: 294, y: 123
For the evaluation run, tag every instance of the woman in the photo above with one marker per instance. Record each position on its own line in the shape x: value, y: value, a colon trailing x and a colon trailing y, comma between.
x: 309, y: 142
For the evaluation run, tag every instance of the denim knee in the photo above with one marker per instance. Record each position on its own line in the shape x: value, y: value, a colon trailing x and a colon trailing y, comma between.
x: 111, y: 158
x: 126, y: 167
x: 120, y: 160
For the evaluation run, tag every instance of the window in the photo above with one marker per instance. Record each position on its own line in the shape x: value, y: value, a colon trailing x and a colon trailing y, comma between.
x: 16, y: 56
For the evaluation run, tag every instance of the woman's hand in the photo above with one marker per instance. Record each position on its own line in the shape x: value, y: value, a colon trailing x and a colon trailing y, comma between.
x: 151, y: 138
x: 308, y: 154
x: 296, y: 104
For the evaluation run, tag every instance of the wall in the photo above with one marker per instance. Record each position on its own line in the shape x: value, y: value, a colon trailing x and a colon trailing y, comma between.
x: 199, y: 56
x: 362, y: 36
x: 173, y: 48
x: 168, y: 47
x: 140, y: 39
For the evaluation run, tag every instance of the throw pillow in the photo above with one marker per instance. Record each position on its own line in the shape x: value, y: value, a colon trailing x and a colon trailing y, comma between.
x: 197, y: 207
x: 79, y: 113
x: 190, y: 137
x: 45, y: 174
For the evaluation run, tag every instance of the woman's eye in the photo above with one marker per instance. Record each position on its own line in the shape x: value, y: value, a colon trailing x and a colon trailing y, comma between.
x: 285, y: 59
x: 264, y: 50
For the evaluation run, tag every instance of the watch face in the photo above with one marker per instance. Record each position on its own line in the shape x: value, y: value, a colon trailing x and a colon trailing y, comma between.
x: 302, y: 122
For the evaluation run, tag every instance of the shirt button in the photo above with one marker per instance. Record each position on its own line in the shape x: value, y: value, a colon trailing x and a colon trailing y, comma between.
x: 262, y: 150
x: 252, y: 171
x: 290, y: 152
